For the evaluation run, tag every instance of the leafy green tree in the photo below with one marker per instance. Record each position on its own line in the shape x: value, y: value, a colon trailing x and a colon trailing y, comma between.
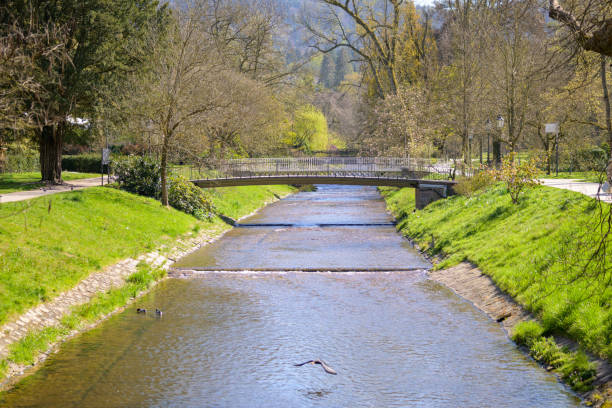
x: 103, y: 41
x: 310, y: 129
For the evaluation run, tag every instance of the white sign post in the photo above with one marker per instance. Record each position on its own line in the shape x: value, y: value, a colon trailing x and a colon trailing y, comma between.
x: 105, y: 161
x: 554, y: 128
x: 105, y: 156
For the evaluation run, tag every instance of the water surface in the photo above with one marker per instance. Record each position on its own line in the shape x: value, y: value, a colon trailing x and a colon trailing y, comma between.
x: 230, y: 339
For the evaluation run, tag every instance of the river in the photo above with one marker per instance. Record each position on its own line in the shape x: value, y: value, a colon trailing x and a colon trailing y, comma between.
x: 263, y: 298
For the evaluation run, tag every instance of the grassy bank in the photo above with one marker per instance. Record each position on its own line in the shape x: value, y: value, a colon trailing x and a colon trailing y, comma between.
x: 27, y: 350
x: 590, y: 176
x: 48, y: 244
x: 11, y: 182
x: 533, y: 251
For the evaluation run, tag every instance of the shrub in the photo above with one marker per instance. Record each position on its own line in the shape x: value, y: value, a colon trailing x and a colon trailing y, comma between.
x: 545, y: 349
x: 139, y: 175
x: 575, y: 368
x: 526, y: 333
x: 22, y: 162
x: 578, y: 372
x: 467, y: 186
x: 83, y: 163
x: 517, y: 176
x: 593, y: 158
x: 19, y: 158
x: 189, y: 198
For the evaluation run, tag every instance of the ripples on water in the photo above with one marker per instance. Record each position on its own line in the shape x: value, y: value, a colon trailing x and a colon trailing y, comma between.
x: 230, y: 340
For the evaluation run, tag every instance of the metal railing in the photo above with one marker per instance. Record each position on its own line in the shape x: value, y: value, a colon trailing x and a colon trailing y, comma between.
x: 396, y: 167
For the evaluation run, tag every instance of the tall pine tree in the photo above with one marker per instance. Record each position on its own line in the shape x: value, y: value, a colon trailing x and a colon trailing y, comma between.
x: 326, y: 74
x: 342, y: 66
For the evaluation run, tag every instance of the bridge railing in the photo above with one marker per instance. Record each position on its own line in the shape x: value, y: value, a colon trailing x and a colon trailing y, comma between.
x: 405, y: 167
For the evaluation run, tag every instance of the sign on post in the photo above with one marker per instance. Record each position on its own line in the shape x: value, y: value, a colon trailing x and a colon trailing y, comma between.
x: 105, y: 156
x: 105, y: 162
x: 551, y: 128
x: 554, y: 128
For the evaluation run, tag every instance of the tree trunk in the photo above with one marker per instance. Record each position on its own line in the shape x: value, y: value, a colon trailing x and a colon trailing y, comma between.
x: 164, y: 171
x: 606, y: 98
x: 548, y: 159
x: 497, y: 152
x: 51, y: 143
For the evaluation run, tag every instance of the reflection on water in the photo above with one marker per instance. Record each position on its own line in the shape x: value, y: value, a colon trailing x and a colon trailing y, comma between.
x: 230, y: 340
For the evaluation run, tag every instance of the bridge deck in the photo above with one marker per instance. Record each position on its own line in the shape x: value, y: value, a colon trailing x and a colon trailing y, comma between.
x: 320, y: 179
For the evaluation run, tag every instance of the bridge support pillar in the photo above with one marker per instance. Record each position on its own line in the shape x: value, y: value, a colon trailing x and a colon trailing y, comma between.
x: 426, y: 194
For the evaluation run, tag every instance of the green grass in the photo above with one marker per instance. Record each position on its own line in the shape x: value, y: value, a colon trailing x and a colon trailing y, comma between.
x: 27, y: 349
x: 574, y: 367
x: 236, y: 202
x: 11, y: 182
x: 48, y: 244
x: 590, y: 176
x: 531, y: 250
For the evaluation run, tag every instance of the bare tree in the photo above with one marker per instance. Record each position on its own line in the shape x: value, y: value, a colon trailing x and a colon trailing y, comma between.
x: 374, y: 31
x: 589, y: 22
x: 180, y: 87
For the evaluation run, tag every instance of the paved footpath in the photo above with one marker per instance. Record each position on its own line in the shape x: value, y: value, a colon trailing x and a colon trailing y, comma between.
x: 43, y: 191
x: 589, y: 189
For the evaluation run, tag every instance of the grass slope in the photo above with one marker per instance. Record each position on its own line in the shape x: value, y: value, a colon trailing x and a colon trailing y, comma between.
x: 236, y: 202
x: 523, y: 248
x: 48, y: 244
x: 590, y: 176
x: 11, y: 182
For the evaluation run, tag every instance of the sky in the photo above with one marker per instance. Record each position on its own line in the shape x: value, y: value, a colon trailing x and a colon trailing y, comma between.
x: 423, y: 2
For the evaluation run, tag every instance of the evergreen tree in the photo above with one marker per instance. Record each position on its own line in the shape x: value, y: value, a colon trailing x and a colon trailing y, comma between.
x: 326, y: 74
x: 103, y: 41
x: 342, y: 66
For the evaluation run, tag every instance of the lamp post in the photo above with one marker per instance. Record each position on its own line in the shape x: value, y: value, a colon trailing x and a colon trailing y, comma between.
x: 480, y: 146
x: 497, y: 141
x: 470, y: 138
x: 488, y: 126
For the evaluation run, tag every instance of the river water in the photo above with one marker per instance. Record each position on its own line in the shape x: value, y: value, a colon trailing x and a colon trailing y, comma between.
x: 231, y: 338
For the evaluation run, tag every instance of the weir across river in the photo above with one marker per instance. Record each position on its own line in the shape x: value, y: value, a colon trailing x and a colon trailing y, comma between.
x: 430, y: 179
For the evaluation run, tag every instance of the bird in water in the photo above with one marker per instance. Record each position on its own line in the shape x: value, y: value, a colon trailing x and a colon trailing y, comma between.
x: 139, y: 310
x: 327, y: 368
x: 158, y: 312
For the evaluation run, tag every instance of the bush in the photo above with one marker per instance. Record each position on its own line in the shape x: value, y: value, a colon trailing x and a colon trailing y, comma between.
x: 517, y: 176
x: 467, y: 186
x: 139, y: 175
x: 526, y: 333
x: 22, y: 162
x: 189, y: 198
x: 545, y: 349
x: 578, y: 372
x: 593, y: 158
x: 19, y: 158
x: 83, y: 163
x: 575, y: 368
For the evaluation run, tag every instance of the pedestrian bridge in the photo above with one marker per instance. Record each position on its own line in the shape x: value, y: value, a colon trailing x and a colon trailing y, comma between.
x: 430, y: 179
